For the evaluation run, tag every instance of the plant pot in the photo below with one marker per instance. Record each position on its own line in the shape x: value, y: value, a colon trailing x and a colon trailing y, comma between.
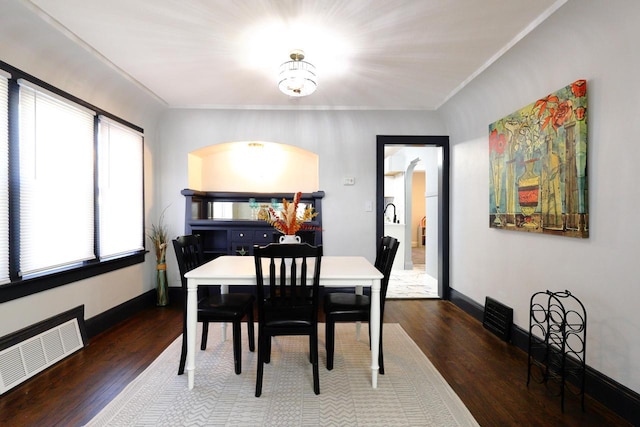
x: 290, y: 238
x: 162, y: 290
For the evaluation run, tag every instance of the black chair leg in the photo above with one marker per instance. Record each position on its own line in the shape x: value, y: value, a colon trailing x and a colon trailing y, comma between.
x: 330, y: 329
x: 314, y: 359
x: 205, y: 335
x: 261, y: 350
x: 252, y: 345
x: 267, y: 349
x: 237, y: 346
x: 183, y: 355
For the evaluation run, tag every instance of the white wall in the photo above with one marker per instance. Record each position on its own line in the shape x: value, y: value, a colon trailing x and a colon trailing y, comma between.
x: 344, y: 140
x: 266, y: 168
x: 586, y: 39
x: 30, y: 44
x: 432, y: 199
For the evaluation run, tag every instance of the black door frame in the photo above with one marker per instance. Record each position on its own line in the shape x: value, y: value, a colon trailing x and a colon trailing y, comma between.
x: 443, y: 197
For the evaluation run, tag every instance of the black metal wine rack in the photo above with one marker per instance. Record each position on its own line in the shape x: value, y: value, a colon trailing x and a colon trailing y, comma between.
x: 557, y: 343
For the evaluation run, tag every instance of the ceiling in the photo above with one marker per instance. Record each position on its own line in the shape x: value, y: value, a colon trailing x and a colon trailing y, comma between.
x: 369, y: 54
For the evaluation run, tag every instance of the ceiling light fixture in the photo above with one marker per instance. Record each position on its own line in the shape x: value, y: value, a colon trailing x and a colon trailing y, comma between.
x: 297, y: 77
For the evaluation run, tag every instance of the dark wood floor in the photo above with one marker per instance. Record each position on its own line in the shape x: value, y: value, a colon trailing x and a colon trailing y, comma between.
x: 488, y: 374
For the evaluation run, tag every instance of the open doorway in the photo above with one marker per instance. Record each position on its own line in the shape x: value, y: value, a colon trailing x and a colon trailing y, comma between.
x: 413, y: 154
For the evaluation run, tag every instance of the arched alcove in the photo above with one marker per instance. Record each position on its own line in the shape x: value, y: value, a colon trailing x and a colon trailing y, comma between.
x: 253, y: 166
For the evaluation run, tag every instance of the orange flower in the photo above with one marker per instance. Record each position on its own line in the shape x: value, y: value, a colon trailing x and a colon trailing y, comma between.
x: 497, y: 142
x: 562, y: 114
x: 543, y: 104
x: 287, y: 221
x: 579, y: 88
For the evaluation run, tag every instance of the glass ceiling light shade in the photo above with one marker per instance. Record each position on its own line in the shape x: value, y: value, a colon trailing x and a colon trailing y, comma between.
x: 297, y: 77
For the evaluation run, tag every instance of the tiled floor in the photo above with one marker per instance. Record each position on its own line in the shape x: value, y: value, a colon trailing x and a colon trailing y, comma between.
x: 412, y: 283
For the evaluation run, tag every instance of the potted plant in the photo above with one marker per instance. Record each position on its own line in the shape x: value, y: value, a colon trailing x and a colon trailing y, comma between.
x: 289, y: 221
x: 159, y: 237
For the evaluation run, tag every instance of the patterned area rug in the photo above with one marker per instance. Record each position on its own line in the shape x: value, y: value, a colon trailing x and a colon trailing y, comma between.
x: 411, y: 393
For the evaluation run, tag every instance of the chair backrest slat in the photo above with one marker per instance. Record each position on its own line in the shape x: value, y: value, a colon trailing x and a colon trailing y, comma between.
x: 189, y: 254
x: 289, y: 284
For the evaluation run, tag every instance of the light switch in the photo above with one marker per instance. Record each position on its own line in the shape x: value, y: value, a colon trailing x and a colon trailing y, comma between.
x: 368, y: 206
x: 349, y: 180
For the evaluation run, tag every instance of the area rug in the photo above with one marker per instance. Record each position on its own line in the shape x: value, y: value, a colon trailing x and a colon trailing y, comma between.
x: 411, y: 393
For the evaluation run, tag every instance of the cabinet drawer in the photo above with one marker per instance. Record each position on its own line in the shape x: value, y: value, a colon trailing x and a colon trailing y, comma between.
x: 241, y: 236
x: 263, y: 237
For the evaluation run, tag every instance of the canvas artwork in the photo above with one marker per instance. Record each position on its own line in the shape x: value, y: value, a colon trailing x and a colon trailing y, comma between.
x: 538, y: 166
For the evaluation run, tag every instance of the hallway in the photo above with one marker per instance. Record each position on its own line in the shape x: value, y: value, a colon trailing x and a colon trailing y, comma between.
x: 413, y: 284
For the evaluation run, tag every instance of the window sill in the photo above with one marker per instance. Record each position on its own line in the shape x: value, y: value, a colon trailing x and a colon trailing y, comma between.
x: 26, y: 287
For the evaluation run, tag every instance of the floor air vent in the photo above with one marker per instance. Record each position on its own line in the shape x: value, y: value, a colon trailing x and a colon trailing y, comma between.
x: 498, y: 318
x: 25, y: 353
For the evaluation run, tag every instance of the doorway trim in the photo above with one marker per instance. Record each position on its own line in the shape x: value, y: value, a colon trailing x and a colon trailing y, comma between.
x: 443, y: 197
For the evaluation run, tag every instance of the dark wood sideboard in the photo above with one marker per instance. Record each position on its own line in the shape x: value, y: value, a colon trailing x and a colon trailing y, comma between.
x: 228, y: 224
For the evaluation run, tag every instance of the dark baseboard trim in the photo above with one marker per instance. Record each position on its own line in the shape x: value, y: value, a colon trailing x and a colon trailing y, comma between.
x: 618, y: 398
x: 111, y: 317
x: 40, y: 327
x: 176, y: 296
x: 468, y: 305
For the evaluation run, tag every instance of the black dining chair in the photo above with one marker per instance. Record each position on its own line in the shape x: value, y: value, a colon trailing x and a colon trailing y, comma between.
x: 350, y: 307
x: 232, y: 307
x: 287, y: 299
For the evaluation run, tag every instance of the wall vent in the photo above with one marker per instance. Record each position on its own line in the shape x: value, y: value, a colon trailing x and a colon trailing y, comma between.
x: 27, y: 352
x: 497, y: 318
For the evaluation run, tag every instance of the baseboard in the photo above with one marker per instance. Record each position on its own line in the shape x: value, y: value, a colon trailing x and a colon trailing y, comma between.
x: 117, y: 314
x: 618, y: 398
x: 467, y: 304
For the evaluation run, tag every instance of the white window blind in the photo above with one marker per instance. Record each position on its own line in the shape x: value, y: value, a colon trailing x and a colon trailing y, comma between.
x: 56, y: 181
x: 4, y: 179
x: 120, y: 178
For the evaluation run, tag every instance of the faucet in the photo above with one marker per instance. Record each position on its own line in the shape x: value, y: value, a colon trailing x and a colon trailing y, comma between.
x: 395, y: 220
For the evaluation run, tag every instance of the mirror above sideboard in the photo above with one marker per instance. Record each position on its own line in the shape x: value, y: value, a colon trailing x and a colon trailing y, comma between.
x: 239, y: 210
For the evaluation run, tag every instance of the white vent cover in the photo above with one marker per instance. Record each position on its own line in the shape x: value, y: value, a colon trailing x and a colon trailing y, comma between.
x: 25, y: 359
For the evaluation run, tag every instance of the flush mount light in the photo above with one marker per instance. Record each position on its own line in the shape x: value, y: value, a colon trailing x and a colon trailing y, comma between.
x: 297, y: 77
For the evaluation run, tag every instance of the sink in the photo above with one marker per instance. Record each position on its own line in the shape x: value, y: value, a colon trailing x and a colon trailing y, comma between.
x: 397, y: 231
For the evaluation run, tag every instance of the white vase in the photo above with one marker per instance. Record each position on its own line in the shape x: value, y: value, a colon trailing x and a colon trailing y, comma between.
x: 289, y: 238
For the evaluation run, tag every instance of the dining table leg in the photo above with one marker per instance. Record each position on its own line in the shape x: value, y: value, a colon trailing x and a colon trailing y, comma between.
x: 374, y: 325
x: 359, y: 291
x: 224, y: 289
x: 192, y: 322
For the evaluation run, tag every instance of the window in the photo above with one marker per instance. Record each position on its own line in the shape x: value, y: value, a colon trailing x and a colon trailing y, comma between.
x: 4, y: 179
x: 56, y: 182
x: 120, y: 189
x: 71, y: 188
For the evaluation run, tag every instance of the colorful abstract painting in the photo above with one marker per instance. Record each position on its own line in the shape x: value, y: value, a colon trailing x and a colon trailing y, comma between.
x: 538, y: 166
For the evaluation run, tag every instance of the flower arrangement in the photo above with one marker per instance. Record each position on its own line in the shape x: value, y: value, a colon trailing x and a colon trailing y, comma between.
x: 288, y: 221
x: 528, y: 131
x: 159, y: 236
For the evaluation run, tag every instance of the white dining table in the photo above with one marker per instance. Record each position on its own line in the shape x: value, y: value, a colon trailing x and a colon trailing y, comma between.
x: 335, y: 271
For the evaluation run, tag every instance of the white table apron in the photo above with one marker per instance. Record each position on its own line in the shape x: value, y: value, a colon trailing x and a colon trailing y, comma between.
x: 336, y: 271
